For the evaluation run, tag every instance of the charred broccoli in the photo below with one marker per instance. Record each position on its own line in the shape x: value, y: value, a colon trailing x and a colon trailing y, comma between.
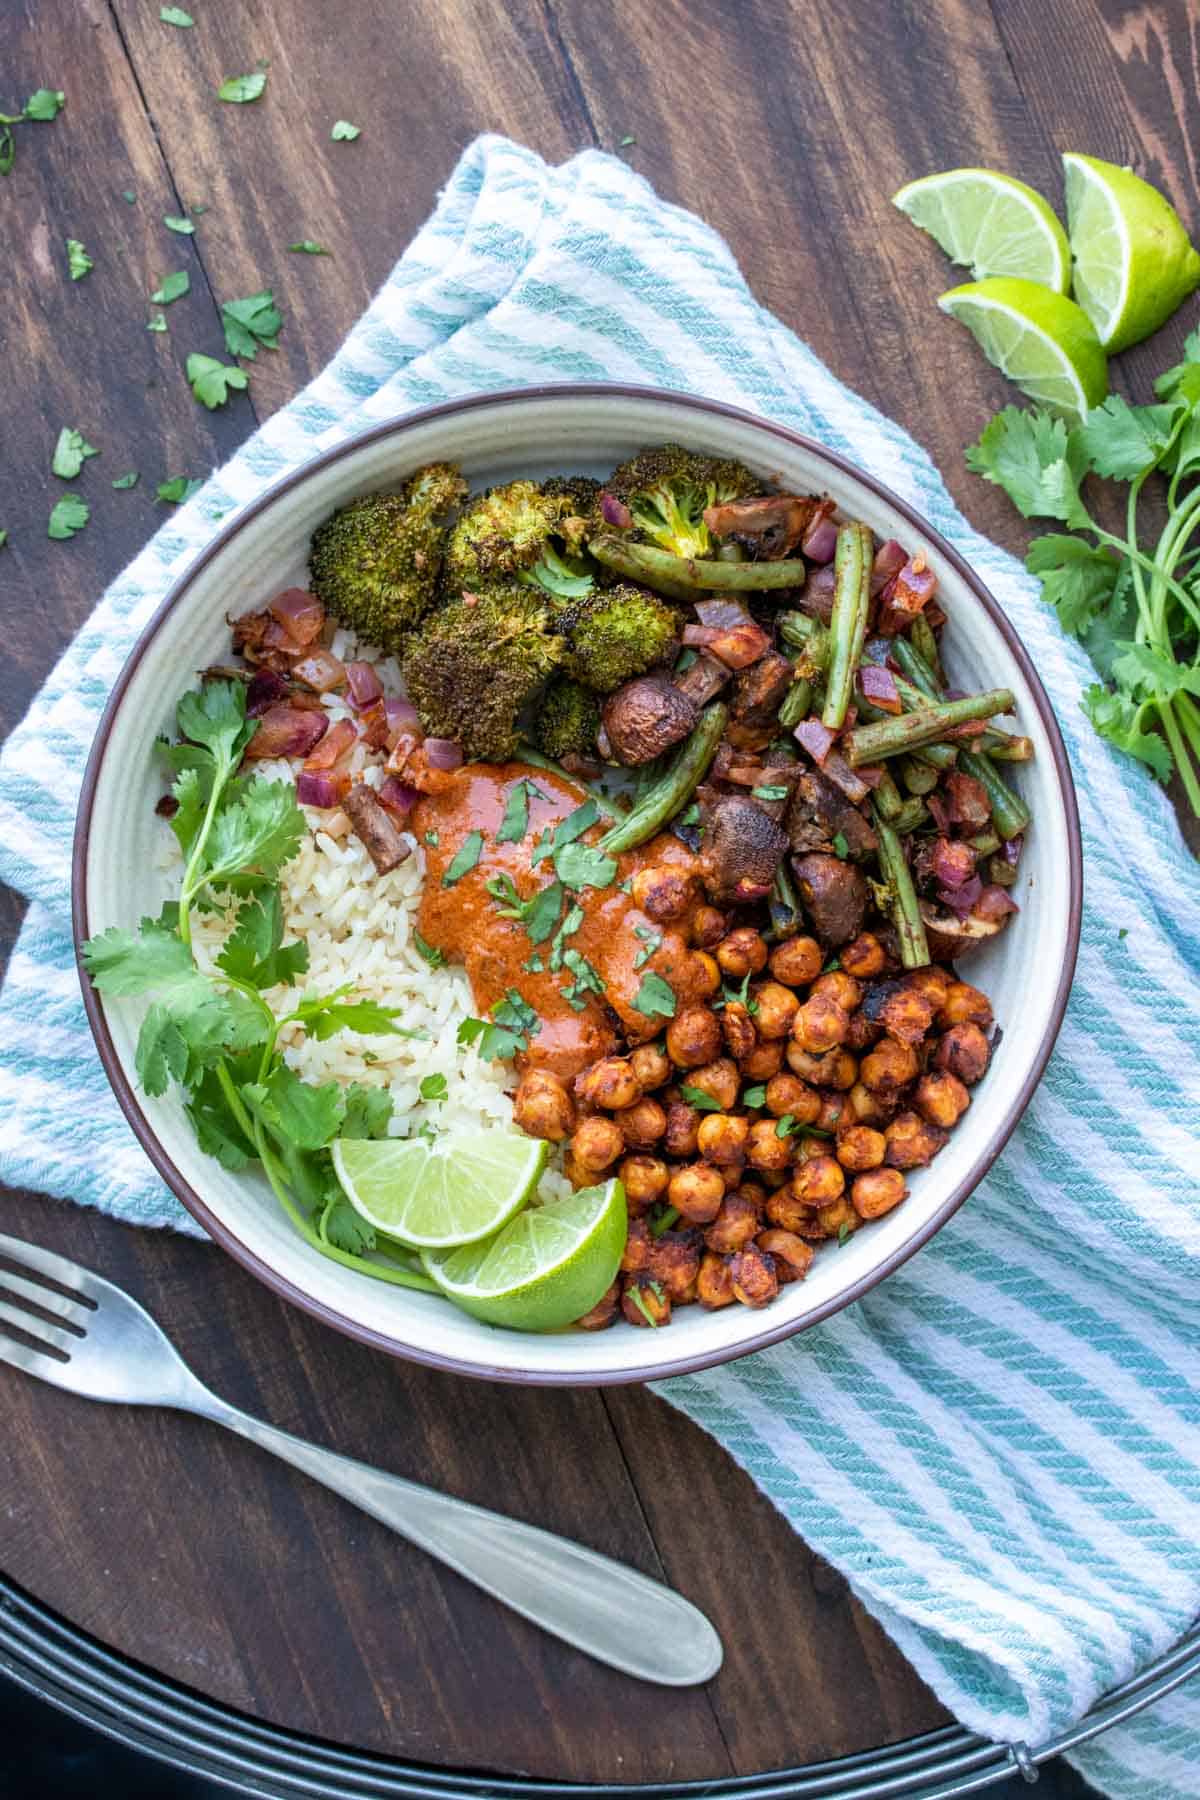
x: 667, y: 489
x: 617, y: 632
x: 568, y: 718
x: 582, y: 508
x: 376, y: 562
x: 476, y: 662
x: 523, y: 530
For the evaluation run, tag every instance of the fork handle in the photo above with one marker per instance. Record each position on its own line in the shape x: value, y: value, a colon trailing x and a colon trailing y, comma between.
x: 611, y: 1611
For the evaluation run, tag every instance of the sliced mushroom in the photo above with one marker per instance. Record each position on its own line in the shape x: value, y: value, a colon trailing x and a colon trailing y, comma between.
x: 768, y: 526
x: 950, y: 937
x: 645, y: 717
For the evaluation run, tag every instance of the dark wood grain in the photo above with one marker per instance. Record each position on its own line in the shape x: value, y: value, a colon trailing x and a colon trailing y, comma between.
x: 788, y: 127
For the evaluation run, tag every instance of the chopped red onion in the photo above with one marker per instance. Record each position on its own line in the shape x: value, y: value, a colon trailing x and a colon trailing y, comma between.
x: 915, y: 586
x: 740, y: 646
x: 300, y: 613
x: 872, y: 774
x: 939, y: 812
x: 363, y: 686
x: 402, y: 715
x: 995, y: 903
x: 373, y: 727
x: 1011, y: 849
x: 879, y: 687
x: 962, y: 899
x: 615, y: 512
x: 320, y: 671
x: 890, y: 558
x: 951, y: 863
x: 320, y: 787
x: 724, y: 614
x: 842, y: 775
x: 820, y: 540
x: 817, y: 597
x: 266, y: 687
x: 286, y: 730
x: 699, y: 637
x: 814, y: 737
x: 968, y: 800
x: 397, y: 796
x: 443, y: 754
x: 335, y: 743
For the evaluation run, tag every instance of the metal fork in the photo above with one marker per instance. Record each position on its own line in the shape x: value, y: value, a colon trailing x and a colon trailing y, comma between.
x: 114, y: 1351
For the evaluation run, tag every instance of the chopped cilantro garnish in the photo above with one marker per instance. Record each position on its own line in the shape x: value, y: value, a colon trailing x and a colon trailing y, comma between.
x: 178, y: 489
x: 157, y: 322
x: 586, y: 981
x: 78, y: 260
x: 844, y: 1235
x: 251, y: 323
x: 128, y: 195
x: 537, y: 915
x: 754, y: 1096
x: 45, y: 104
x: 655, y: 998
x: 183, y: 226
x: 785, y: 1126
x: 175, y: 15
x: 172, y: 287
x: 70, y: 453
x: 535, y: 965
x: 344, y: 132
x: 127, y: 481
x: 769, y: 793
x: 3, y: 539
x: 69, y: 515
x: 492, y: 1041
x: 651, y: 941
x: 624, y: 143
x: 697, y: 1097
x: 310, y: 247
x: 832, y: 966
x: 434, y: 958
x: 464, y: 859
x: 434, y: 1087
x: 433, y: 839
x: 241, y: 88
x: 840, y: 846
x: 578, y: 866
x: 690, y: 814
x: 634, y: 1294
x: 662, y: 1220
x: 211, y: 380
x: 1124, y: 932
x: 515, y: 823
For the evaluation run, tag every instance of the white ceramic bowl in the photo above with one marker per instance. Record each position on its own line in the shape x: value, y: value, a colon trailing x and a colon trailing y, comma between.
x: 1027, y: 972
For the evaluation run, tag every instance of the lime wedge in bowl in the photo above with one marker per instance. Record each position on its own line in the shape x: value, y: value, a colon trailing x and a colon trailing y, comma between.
x: 1041, y: 340
x: 546, y: 1268
x: 455, y: 1190
x: 991, y: 224
x: 1134, y: 263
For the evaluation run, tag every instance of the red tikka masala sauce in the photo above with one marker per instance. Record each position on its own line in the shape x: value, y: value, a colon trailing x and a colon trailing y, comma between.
x: 464, y: 922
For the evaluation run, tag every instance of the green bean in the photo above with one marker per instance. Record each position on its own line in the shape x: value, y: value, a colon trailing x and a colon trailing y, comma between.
x: 892, y: 737
x: 918, y: 777
x: 848, y: 622
x: 925, y: 644
x: 796, y: 628
x: 689, y: 575
x: 906, y: 913
x: 1005, y: 746
x: 795, y: 704
x: 985, y: 842
x: 914, y: 812
x: 888, y: 797
x: 675, y: 788
x: 784, y: 905
x: 1010, y: 815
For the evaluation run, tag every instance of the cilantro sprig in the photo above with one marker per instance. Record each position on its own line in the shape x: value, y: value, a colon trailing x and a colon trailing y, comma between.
x: 1132, y: 600
x: 214, y: 1033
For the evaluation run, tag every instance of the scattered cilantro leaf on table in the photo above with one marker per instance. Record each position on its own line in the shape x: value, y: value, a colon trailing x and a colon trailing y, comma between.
x: 211, y: 380
x: 178, y: 489
x: 157, y: 322
x: 3, y: 539
x: 310, y: 247
x: 172, y: 287
x: 184, y: 227
x: 251, y: 323
x: 67, y: 516
x: 128, y: 480
x: 242, y: 88
x: 70, y: 453
x: 45, y: 104
x: 344, y: 132
x: 175, y: 15
x: 79, y: 263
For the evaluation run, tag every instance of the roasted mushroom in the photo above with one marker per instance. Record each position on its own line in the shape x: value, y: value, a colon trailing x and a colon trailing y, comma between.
x: 645, y: 717
x: 950, y: 936
x: 767, y: 526
x: 836, y: 895
x: 743, y: 848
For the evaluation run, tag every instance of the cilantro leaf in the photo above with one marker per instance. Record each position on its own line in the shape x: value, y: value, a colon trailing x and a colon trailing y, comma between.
x: 697, y: 1097
x: 1139, y: 668
x: 324, y: 1015
x: 1183, y: 381
x: 368, y: 1112
x: 515, y: 1014
x: 157, y: 323
x: 578, y: 865
x: 67, y: 516
x: 309, y: 247
x: 175, y: 15
x: 124, y: 962
x: 128, y: 480
x: 211, y: 380
x: 1030, y: 455
x: 1077, y: 579
x: 306, y: 1114
x: 492, y: 1041
x: 435, y: 958
x: 515, y: 823
x: 215, y: 716
x: 241, y: 88
x: 172, y: 287
x: 345, y: 1229
x: 184, y: 227
x: 434, y: 1088
x: 190, y: 793
x: 464, y: 859
x: 45, y: 104
x: 254, y: 951
x: 178, y: 489
x: 260, y: 830
x: 250, y: 323
x: 1120, y: 440
x: 1119, y: 720
x: 586, y: 980
x: 755, y: 1096
x: 217, y: 1130
x: 655, y: 998
x: 3, y: 539
x: 343, y: 132
x: 70, y: 453
x: 840, y: 845
x: 78, y: 260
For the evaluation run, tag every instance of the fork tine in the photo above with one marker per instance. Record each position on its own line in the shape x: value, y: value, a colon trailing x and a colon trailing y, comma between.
x: 32, y: 1361
x: 38, y: 1328
x: 67, y: 1274
x: 45, y: 1297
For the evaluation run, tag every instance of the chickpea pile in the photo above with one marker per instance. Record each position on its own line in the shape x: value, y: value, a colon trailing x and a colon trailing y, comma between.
x: 759, y: 1126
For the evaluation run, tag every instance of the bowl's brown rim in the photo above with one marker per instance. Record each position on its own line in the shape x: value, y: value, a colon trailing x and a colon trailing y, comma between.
x: 665, y: 1366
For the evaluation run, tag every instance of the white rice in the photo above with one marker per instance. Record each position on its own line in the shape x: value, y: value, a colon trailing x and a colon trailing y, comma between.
x: 359, y: 927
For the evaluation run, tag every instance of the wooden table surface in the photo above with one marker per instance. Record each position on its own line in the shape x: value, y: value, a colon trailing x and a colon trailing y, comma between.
x: 787, y: 126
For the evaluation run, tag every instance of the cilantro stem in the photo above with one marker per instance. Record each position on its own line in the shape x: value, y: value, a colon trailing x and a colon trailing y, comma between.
x: 190, y: 886
x: 1183, y: 762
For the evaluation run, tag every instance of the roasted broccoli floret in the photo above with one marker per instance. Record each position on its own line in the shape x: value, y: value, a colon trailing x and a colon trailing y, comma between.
x: 568, y: 718
x: 476, y: 662
x: 582, y: 508
x: 667, y: 489
x: 617, y: 632
x: 376, y: 562
x: 523, y: 530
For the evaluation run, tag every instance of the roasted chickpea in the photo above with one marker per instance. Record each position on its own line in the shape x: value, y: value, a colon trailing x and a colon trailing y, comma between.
x: 731, y: 1174
x: 840, y: 1071
x: 675, y: 1261
x: 644, y: 1179
x: 752, y: 1272
x: 820, y: 1025
x: 638, y: 1243
x: 766, y: 1149
x: 941, y: 1098
x: 704, y: 977
x: 609, y: 1084
x: 763, y: 1061
x: 906, y: 1014
x: 864, y: 1031
x: 597, y: 1143
x: 833, y: 1106
x: 741, y: 953
x: 694, y: 1037
x: 876, y: 1192
x: 720, y: 1080
x: 696, y: 1192
x: 645, y: 1302
x: 890, y: 1065
x: 576, y: 1174
x: 737, y: 1222
x: 788, y: 1094
x: 714, y: 1284
x: 932, y: 981
x: 722, y: 1138
x: 786, y: 1211
x: 964, y: 1052
x: 964, y: 1005
x: 542, y: 1107
x: 741, y: 1033
x: 663, y: 894
x: 777, y: 1008
x: 706, y: 927
x: 790, y: 1254
x: 866, y: 1108
x: 651, y: 1066
x: 818, y: 1181
x: 797, y: 961
x: 864, y: 957
x: 860, y: 1147
x: 838, y: 1218
x: 839, y: 987
x: 683, y: 1121
x: 604, y: 1312
x: 643, y: 1123
x: 802, y: 1062
x: 912, y: 1141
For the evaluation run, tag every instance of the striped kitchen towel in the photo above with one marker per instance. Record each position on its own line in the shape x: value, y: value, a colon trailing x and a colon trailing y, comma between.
x: 999, y: 1447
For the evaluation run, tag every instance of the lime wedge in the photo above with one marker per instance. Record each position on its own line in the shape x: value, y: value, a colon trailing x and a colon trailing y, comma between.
x: 1133, y: 262
x: 991, y: 223
x: 548, y: 1266
x: 1039, y: 339
x: 455, y: 1190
